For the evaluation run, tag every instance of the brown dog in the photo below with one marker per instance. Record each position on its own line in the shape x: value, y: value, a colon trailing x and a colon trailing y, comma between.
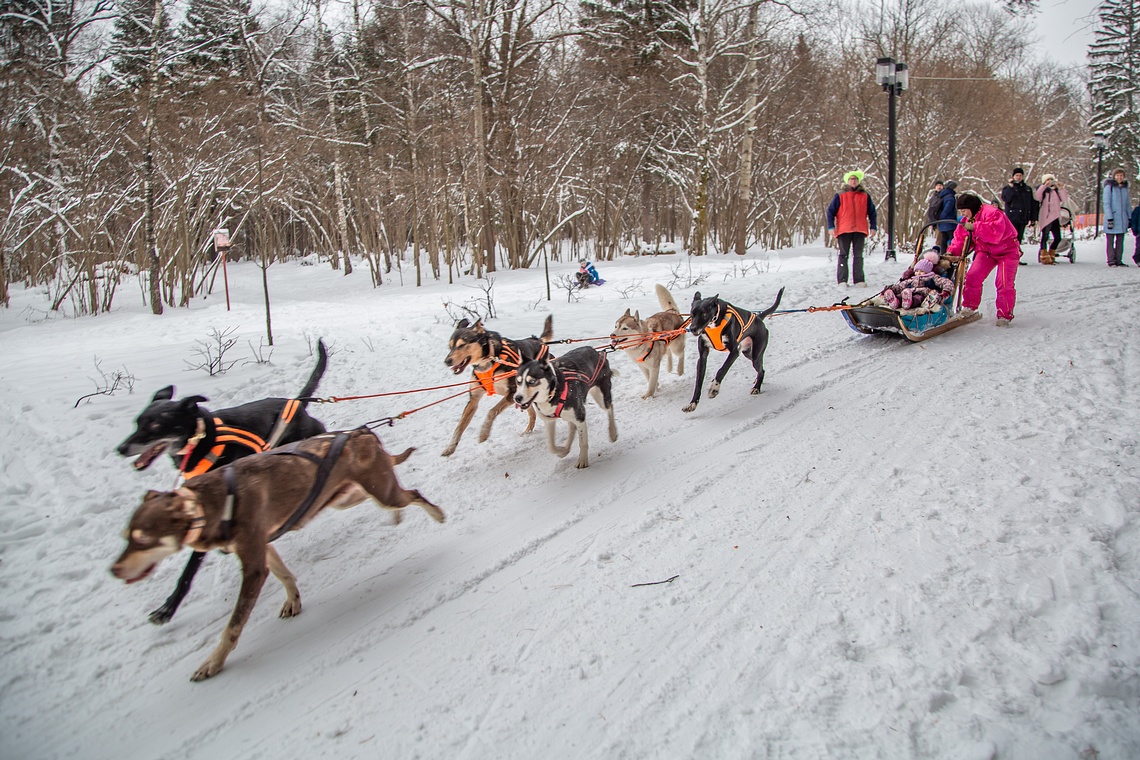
x: 629, y: 335
x: 272, y: 493
x: 493, y: 360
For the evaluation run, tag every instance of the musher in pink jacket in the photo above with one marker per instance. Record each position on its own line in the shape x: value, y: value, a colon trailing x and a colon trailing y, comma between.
x: 995, y: 246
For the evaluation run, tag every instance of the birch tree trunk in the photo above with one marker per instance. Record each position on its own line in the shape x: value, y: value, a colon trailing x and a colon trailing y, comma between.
x: 150, y: 242
x: 744, y: 182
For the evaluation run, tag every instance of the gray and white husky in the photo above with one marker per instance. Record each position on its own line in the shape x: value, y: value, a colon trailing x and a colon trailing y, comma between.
x: 557, y: 388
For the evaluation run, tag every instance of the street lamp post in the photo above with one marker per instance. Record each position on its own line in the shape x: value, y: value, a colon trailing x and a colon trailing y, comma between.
x: 892, y: 76
x: 1100, y: 141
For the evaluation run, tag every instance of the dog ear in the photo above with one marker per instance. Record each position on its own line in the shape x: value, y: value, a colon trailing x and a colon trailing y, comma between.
x: 478, y: 326
x: 623, y: 316
x: 636, y: 314
x: 151, y: 494
x: 191, y: 402
x: 462, y: 323
x: 696, y: 296
x: 165, y: 394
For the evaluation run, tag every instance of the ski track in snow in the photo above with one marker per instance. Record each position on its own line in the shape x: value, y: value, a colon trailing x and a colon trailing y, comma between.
x: 853, y: 579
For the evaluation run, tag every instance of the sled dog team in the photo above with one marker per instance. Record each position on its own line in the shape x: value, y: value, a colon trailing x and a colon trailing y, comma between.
x: 254, y: 472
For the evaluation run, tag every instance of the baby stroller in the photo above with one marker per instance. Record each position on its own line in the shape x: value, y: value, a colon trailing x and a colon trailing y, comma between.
x: 1067, y: 248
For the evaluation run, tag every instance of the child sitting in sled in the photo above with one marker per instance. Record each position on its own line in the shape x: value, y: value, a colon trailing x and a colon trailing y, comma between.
x: 587, y: 275
x: 919, y: 287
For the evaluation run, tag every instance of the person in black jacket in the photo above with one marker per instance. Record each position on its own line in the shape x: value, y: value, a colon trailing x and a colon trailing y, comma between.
x: 1017, y: 198
x: 934, y: 203
x: 948, y: 215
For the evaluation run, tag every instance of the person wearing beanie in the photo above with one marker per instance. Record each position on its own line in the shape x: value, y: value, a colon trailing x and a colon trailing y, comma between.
x: 1117, y: 206
x: 995, y: 247
x: 1017, y: 197
x: 1050, y: 197
x: 851, y: 219
x: 948, y: 219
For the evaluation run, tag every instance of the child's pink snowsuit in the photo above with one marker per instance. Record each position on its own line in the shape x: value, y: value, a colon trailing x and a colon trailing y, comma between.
x: 995, y: 245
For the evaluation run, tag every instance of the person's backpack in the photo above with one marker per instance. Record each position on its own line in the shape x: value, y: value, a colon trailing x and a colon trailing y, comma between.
x: 933, y: 209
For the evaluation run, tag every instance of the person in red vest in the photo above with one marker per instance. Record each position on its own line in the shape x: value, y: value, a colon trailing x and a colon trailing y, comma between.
x: 851, y: 219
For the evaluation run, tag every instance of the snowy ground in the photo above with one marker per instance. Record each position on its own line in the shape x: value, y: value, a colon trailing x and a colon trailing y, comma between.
x: 895, y: 551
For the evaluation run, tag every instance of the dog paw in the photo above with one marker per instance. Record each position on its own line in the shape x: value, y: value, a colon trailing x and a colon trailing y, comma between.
x: 690, y: 408
x: 582, y: 465
x: 162, y: 615
x: 714, y: 390
x: 755, y: 391
x: 646, y: 395
x: 448, y: 451
x: 209, y: 669
x: 291, y: 608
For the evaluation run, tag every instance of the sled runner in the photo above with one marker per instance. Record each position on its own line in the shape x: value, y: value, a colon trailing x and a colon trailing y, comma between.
x: 868, y: 318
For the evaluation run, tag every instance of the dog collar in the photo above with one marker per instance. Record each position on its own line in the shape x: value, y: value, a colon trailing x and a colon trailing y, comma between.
x: 197, y: 522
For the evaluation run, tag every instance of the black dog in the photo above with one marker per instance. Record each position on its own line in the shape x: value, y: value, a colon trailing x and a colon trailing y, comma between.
x: 561, y: 384
x: 199, y: 440
x: 724, y: 327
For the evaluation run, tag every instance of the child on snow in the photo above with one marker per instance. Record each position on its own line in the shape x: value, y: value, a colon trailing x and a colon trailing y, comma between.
x: 919, y: 287
x: 587, y: 275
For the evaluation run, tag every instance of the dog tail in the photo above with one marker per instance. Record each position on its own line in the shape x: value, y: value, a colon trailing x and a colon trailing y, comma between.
x: 315, y: 378
x: 401, y: 458
x: 665, y: 298
x: 768, y: 312
x: 548, y: 328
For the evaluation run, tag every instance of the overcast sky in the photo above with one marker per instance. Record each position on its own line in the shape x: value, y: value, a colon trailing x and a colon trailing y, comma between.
x: 1065, y: 29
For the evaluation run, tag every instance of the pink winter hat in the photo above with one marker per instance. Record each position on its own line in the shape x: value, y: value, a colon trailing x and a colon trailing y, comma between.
x: 924, y: 265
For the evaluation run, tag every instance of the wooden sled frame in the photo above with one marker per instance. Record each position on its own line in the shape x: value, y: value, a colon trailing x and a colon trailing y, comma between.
x: 868, y: 320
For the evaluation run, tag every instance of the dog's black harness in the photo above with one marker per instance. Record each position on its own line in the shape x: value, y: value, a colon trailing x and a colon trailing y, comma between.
x: 571, y: 374
x: 324, y: 468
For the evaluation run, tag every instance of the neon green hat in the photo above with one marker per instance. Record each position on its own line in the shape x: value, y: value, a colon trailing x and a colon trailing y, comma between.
x: 853, y: 173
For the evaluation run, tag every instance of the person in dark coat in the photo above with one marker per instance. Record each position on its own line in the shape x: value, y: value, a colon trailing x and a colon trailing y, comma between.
x: 948, y: 216
x: 1017, y: 198
x: 1134, y: 225
x: 934, y: 203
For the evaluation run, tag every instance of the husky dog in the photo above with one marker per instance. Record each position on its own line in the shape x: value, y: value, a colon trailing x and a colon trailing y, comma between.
x: 722, y: 326
x: 492, y: 359
x: 631, y: 334
x: 552, y: 386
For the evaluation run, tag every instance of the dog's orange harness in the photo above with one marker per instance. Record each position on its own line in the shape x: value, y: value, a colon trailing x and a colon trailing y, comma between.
x: 508, y: 356
x: 667, y: 340
x: 714, y: 332
x: 226, y: 434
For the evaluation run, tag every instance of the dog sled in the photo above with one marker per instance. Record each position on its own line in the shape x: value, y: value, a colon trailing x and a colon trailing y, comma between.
x: 870, y: 316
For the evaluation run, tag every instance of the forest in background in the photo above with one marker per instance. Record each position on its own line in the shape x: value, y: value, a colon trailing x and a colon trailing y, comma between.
x: 451, y: 138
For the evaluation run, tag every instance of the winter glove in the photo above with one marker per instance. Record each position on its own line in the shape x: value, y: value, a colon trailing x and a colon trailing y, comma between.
x: 969, y: 225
